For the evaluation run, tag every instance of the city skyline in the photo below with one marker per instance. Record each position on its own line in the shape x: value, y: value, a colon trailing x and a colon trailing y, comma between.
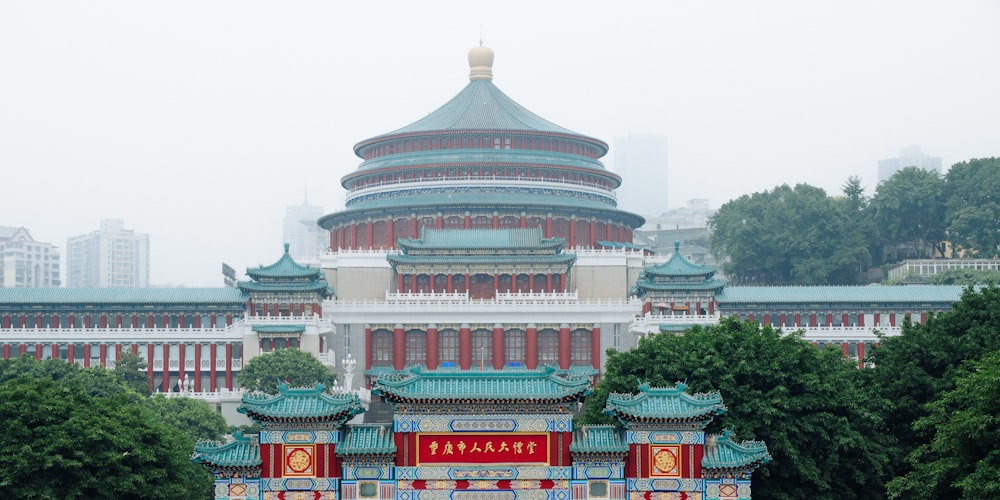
x: 200, y: 130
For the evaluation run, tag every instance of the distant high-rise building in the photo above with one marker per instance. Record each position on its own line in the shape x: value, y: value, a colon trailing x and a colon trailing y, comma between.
x: 109, y: 257
x: 25, y: 262
x: 908, y: 157
x: 642, y: 159
x: 306, y: 240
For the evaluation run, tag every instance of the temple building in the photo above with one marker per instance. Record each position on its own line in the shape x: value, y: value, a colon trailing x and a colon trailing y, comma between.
x: 502, y: 434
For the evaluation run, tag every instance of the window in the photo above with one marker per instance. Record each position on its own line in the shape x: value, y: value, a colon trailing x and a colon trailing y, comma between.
x: 579, y: 344
x: 381, y: 348
x: 448, y: 348
x: 416, y: 348
x: 598, y: 489
x: 514, y: 344
x: 548, y: 347
x: 367, y: 489
x: 482, y: 347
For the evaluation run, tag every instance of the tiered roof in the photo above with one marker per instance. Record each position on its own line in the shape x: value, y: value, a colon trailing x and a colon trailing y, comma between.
x: 306, y: 404
x: 725, y: 457
x: 598, y: 440
x: 664, y: 405
x: 122, y: 296
x: 677, y: 274
x: 477, y: 246
x: 367, y: 439
x: 242, y: 453
x: 286, y: 275
x: 449, y: 386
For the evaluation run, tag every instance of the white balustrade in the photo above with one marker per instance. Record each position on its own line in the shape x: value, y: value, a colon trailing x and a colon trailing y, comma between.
x: 237, y: 364
x: 206, y: 364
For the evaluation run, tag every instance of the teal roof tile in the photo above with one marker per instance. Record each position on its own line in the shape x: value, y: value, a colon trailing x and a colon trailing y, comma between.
x: 721, y: 453
x: 481, y: 106
x: 301, y: 403
x: 242, y: 451
x: 285, y: 267
x: 509, y: 384
x: 873, y: 294
x: 467, y: 158
x: 677, y: 265
x: 279, y: 328
x: 664, y: 405
x: 367, y: 439
x: 183, y: 295
x: 598, y: 439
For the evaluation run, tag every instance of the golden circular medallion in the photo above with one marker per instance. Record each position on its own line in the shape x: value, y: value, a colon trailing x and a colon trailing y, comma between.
x: 299, y: 460
x: 664, y: 461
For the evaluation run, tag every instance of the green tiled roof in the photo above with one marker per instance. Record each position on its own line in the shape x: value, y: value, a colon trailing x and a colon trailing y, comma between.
x: 242, y: 451
x: 483, y: 157
x: 598, y: 439
x: 664, y: 404
x: 482, y: 238
x: 278, y: 328
x: 479, y: 197
x: 310, y: 403
x: 287, y: 286
x: 286, y: 267
x: 727, y: 455
x: 712, y: 284
x: 482, y: 259
x: 367, y: 439
x: 482, y: 106
x: 220, y: 295
x: 509, y: 384
x: 873, y: 294
x: 677, y: 265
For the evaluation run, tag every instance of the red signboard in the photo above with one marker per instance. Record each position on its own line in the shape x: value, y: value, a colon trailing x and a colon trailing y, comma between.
x: 482, y: 448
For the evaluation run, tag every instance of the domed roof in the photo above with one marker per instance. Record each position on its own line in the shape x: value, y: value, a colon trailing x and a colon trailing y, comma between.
x: 481, y: 105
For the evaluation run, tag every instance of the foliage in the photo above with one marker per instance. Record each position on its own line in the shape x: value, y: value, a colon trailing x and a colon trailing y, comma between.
x: 807, y: 404
x: 62, y: 439
x: 291, y: 366
x: 973, y: 206
x: 193, y: 416
x: 965, y: 277
x: 132, y: 369
x: 962, y: 459
x: 920, y: 366
x: 909, y: 208
x: 790, y: 236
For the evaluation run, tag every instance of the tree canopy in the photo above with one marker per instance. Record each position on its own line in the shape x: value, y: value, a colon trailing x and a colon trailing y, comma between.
x: 807, y: 404
x: 789, y: 236
x: 83, y: 433
x: 972, y: 191
x: 909, y: 207
x: 284, y: 366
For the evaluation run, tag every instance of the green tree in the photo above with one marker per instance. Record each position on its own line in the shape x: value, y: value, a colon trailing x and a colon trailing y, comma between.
x: 972, y: 190
x: 787, y: 236
x: 291, y: 366
x: 909, y: 209
x: 807, y: 404
x: 965, y: 277
x: 193, y: 416
x: 131, y: 368
x: 59, y: 442
x: 920, y: 365
x: 962, y: 459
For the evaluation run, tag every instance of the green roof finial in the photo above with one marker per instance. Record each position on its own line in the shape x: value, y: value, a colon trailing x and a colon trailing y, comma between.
x: 286, y: 247
x: 677, y: 246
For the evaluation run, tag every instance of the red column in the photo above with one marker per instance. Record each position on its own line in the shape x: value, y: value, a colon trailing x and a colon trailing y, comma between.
x: 451, y: 288
x: 71, y: 355
x: 6, y: 351
x: 229, y: 366
x: 531, y: 347
x: 845, y: 349
x: 496, y: 221
x: 593, y: 233
x: 181, y: 359
x: 531, y: 282
x: 498, y: 347
x: 354, y: 236
x: 391, y: 227
x: 523, y: 223
x: 333, y: 240
x: 468, y: 221
x: 812, y: 320
x: 414, y: 233
x: 368, y: 348
x: 844, y: 320
x: 564, y: 347
x: 496, y: 284
x: 861, y: 354
x: 432, y: 342
x: 371, y: 234
x: 439, y: 223
x: 398, y: 348
x: 548, y: 283
x: 399, y: 283
x: 211, y: 367
x: 465, y: 347
x: 571, y: 242
x: 38, y: 352
x: 595, y: 347
x: 413, y: 284
x: 548, y: 226
x: 86, y: 355
x: 861, y: 319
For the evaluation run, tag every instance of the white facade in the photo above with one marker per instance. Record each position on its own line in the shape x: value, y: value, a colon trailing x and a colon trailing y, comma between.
x: 109, y: 257
x: 306, y: 240
x: 908, y: 157
x: 25, y: 262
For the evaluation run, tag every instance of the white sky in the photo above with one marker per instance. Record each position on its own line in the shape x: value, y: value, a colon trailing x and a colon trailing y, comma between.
x: 198, y: 122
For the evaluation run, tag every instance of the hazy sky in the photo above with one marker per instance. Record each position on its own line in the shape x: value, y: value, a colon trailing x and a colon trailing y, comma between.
x: 198, y: 122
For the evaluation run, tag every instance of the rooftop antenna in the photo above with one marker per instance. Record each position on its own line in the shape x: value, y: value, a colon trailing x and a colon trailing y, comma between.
x: 480, y: 35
